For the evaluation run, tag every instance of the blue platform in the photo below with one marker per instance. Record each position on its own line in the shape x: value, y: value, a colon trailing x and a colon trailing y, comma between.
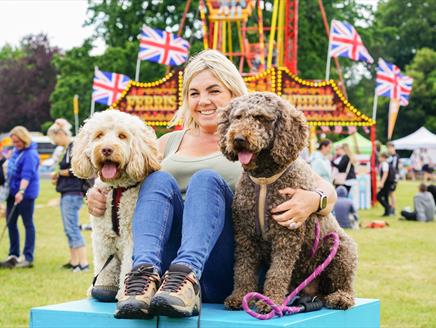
x: 89, y: 313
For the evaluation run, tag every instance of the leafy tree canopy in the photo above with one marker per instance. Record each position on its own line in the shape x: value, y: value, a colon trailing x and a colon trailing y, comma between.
x: 27, y: 78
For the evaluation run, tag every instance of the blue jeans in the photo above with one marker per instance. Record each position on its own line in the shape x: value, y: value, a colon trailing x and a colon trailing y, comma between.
x: 25, y: 209
x: 70, y: 206
x: 197, y: 232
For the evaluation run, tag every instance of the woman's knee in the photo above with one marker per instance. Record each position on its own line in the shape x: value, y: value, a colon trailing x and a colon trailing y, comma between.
x: 206, y: 176
x: 158, y: 180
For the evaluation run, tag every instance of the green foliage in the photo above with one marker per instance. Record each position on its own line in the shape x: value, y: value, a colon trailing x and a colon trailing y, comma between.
x: 312, y: 37
x: 119, y: 22
x: 402, y: 27
x: 76, y: 70
x: 27, y: 78
x: 423, y: 100
x: 7, y: 52
x: 399, y: 30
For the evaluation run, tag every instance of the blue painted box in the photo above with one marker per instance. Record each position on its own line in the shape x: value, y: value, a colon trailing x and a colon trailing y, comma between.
x: 89, y: 313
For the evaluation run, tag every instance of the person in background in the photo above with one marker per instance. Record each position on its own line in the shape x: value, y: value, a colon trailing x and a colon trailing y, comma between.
x: 427, y: 165
x: 377, y: 153
x: 71, y: 190
x: 320, y: 161
x: 415, y: 163
x: 432, y: 190
x: 394, y: 161
x: 23, y: 179
x: 2, y: 162
x: 344, y: 162
x: 2, y: 181
x: 387, y: 178
x: 344, y: 210
x: 424, y: 205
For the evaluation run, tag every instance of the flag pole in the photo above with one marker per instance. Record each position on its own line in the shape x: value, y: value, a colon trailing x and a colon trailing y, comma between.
x: 138, y: 67
x: 329, y: 58
x: 92, y: 107
x: 374, y: 107
x: 76, y: 113
x: 92, y: 96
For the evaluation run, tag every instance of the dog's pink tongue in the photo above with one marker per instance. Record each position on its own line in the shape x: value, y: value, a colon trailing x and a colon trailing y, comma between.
x: 109, y: 170
x: 245, y: 157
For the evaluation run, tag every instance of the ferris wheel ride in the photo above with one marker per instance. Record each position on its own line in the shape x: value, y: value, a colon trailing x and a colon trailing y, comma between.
x: 275, y: 44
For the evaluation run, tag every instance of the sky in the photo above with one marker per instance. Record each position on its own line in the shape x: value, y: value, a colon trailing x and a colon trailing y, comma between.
x: 61, y: 20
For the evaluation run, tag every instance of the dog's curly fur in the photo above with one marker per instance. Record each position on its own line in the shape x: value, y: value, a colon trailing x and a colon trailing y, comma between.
x: 275, y: 133
x: 125, y: 141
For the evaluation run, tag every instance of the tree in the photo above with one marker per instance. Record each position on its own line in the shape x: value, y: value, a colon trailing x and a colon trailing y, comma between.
x: 119, y: 22
x: 402, y: 27
x: 75, y: 74
x: 422, y: 107
x: 26, y: 82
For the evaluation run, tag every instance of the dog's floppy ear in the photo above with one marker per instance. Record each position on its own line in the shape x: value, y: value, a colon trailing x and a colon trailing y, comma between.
x: 144, y: 154
x: 291, y: 133
x: 81, y: 163
x: 223, y: 126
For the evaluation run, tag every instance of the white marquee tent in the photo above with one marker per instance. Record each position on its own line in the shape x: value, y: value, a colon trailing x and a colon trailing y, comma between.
x: 421, y: 138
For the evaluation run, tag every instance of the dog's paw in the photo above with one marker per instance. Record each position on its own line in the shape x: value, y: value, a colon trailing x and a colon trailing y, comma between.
x: 233, y: 302
x: 339, y: 300
x: 263, y: 308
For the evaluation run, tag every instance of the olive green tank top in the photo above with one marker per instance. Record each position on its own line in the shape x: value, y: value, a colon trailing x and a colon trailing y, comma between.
x: 182, y: 167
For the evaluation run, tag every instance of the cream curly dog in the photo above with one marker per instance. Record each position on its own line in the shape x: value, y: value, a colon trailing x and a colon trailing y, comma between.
x: 266, y: 135
x: 121, y: 151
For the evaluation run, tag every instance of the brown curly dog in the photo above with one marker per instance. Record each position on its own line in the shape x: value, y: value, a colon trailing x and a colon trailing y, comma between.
x: 266, y: 134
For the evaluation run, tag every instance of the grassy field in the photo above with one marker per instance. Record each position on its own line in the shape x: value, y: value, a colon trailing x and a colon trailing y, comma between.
x: 396, y: 265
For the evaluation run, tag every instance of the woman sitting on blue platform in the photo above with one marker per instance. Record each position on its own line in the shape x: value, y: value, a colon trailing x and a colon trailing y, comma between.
x: 182, y: 224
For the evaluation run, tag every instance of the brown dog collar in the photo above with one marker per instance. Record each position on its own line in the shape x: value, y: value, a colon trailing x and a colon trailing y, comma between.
x: 261, y: 190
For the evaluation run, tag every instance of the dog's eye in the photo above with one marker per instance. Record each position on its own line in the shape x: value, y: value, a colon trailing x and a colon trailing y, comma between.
x: 258, y: 117
x: 122, y: 136
x: 99, y: 135
x: 237, y: 117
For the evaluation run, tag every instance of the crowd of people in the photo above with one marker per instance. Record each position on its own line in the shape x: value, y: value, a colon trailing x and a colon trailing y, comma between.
x: 340, y: 171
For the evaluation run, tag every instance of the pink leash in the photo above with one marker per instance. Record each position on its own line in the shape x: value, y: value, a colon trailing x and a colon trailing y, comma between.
x: 283, y: 309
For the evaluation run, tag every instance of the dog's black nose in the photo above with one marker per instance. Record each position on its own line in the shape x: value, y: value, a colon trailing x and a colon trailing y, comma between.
x: 239, y: 140
x: 107, y: 151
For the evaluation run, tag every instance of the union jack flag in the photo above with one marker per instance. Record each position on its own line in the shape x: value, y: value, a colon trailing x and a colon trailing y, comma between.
x: 391, y: 83
x: 162, y: 47
x: 345, y: 42
x: 107, y: 87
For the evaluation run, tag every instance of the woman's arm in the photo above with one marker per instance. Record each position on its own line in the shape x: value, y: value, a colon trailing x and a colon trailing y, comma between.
x: 302, y: 203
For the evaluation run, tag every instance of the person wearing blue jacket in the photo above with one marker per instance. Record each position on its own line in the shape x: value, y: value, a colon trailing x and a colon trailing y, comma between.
x: 23, y: 180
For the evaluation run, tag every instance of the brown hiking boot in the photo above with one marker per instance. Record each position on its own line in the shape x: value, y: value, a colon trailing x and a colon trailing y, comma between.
x: 140, y: 285
x: 179, y: 294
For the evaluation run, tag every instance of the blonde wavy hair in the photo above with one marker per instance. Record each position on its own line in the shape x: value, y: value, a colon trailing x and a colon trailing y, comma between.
x: 221, y: 68
x: 23, y: 134
x: 60, y: 125
x: 349, y: 153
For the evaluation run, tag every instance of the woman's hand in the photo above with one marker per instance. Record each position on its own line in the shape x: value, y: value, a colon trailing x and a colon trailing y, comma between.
x: 293, y: 212
x: 97, y: 201
x: 54, y: 178
x: 18, y: 198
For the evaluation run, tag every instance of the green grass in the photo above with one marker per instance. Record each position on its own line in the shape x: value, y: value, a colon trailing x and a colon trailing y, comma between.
x: 396, y: 265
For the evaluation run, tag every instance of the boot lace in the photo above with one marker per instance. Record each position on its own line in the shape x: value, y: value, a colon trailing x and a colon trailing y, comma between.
x: 137, y: 281
x: 174, y: 281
